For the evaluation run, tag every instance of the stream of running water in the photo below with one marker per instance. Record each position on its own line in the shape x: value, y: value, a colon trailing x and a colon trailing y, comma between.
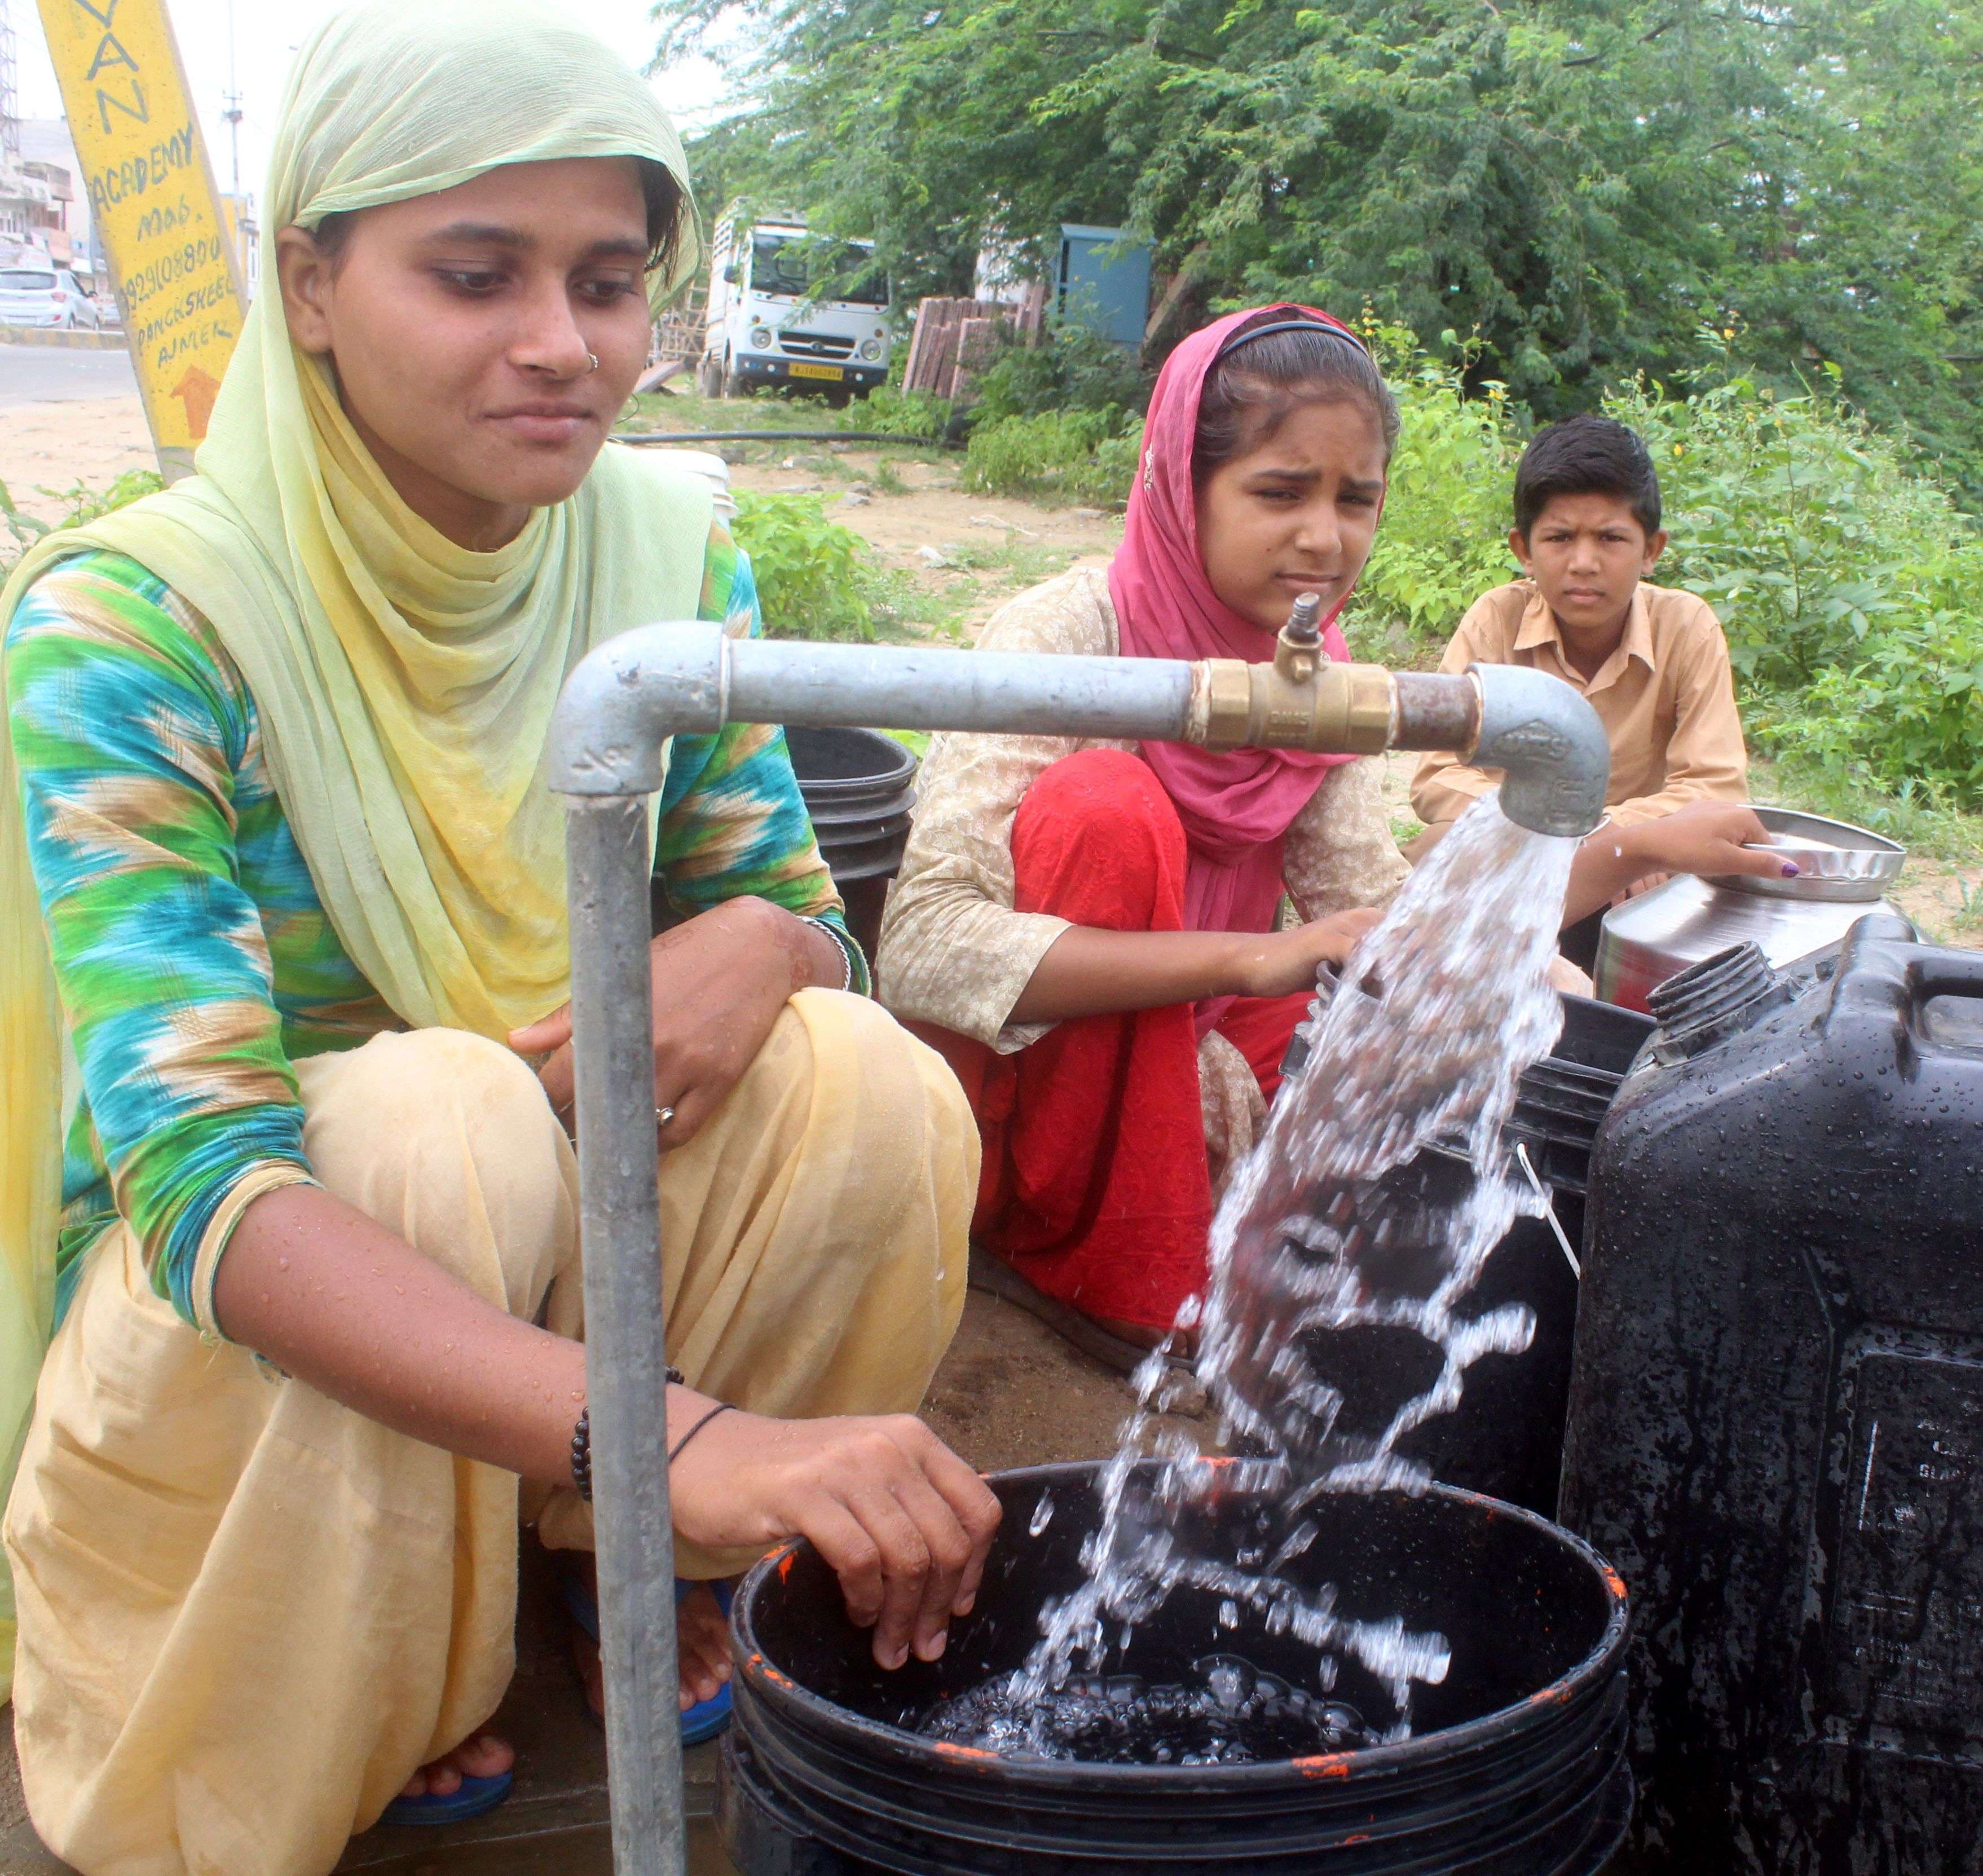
x: 1342, y: 1257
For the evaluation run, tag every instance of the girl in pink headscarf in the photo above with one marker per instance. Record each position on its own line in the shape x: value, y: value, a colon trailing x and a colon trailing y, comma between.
x: 1089, y: 931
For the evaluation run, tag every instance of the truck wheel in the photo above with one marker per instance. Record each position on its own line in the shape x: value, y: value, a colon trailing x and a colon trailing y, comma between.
x: 733, y: 385
x: 709, y: 376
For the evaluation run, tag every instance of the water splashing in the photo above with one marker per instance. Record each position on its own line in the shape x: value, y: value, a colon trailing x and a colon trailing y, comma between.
x: 1340, y: 1258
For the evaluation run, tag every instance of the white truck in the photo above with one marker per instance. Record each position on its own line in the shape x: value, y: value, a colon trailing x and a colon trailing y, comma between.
x: 767, y: 325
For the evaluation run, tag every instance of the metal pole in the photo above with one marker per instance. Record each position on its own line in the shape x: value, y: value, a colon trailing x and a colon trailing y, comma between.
x: 626, y: 1360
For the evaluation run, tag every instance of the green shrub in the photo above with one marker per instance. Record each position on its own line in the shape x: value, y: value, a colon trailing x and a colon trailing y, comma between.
x: 814, y: 576
x: 1073, y: 367
x: 1443, y: 539
x: 1844, y: 574
x: 1906, y: 716
x: 1803, y: 528
x: 914, y: 415
x: 1073, y: 455
x: 84, y: 504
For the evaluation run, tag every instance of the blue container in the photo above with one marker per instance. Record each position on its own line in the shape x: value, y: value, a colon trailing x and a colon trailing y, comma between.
x: 1105, y: 276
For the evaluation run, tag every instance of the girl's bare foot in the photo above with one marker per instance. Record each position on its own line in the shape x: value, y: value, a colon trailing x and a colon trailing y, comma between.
x: 1182, y: 1343
x: 484, y: 1756
x: 702, y: 1638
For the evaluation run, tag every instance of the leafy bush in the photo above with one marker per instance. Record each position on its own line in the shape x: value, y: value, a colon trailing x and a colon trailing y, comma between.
x: 814, y: 580
x: 1844, y: 574
x: 1905, y: 717
x: 1072, y: 369
x: 1073, y: 455
x: 1801, y: 526
x: 83, y: 504
x: 1444, y: 541
x: 915, y: 416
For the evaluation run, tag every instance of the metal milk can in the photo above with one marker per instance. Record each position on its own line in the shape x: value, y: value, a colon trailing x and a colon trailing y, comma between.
x: 1843, y: 873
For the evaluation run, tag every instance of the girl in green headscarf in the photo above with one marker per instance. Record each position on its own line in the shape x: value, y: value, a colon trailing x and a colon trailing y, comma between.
x: 281, y: 878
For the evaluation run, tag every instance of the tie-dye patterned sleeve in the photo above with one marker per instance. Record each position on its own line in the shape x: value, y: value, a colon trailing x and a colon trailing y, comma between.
x: 732, y: 820
x: 128, y: 738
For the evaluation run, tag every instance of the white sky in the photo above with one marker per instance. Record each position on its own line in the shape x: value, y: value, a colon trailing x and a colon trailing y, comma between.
x: 266, y: 35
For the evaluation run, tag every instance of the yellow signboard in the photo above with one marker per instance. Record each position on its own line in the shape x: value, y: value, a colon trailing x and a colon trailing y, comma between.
x: 151, y: 197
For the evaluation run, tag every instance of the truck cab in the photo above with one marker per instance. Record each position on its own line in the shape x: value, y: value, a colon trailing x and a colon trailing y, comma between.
x: 790, y: 308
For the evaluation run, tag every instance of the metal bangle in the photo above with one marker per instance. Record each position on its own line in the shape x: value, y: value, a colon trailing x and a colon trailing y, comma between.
x: 843, y: 946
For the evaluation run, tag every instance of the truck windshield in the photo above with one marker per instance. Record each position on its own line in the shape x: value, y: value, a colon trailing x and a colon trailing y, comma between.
x: 791, y: 264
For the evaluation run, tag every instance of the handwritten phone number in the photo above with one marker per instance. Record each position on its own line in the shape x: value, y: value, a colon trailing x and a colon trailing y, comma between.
x: 193, y: 258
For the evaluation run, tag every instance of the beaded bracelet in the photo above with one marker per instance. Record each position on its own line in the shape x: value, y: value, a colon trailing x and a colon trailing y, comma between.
x: 581, y: 1441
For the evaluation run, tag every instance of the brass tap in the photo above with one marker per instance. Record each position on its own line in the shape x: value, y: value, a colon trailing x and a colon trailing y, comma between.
x: 1304, y: 700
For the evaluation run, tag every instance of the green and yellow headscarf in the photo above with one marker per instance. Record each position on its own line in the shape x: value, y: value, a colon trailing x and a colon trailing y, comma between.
x: 405, y: 685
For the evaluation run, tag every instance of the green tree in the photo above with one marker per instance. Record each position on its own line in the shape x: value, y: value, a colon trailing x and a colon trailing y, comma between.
x: 1581, y: 183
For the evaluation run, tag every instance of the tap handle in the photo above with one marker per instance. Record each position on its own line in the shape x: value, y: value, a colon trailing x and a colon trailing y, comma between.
x: 1304, y: 625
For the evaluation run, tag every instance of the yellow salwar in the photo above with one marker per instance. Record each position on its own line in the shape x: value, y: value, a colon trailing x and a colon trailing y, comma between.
x: 249, y: 1613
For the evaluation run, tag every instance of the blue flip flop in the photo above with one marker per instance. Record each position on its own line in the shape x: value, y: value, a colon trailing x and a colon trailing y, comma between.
x: 471, y: 1799
x: 706, y: 1719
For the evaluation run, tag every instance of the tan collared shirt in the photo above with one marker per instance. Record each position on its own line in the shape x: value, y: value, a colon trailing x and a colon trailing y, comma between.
x: 1666, y: 697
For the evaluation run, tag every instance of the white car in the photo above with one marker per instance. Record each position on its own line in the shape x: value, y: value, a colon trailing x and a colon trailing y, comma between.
x: 44, y: 296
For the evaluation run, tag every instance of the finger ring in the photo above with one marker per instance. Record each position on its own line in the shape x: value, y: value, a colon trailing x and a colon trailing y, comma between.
x: 663, y: 1116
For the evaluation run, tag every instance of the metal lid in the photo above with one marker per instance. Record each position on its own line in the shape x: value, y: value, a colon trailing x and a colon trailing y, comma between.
x: 1835, y: 860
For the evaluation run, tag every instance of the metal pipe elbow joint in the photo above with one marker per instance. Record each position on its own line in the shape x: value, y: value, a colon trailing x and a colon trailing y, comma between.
x: 1550, y: 745
x: 626, y: 697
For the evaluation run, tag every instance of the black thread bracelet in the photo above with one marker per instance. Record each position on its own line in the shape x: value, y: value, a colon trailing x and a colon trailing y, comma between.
x: 721, y: 1406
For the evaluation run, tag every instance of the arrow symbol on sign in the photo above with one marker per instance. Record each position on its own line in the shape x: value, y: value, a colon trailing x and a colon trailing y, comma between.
x: 197, y: 390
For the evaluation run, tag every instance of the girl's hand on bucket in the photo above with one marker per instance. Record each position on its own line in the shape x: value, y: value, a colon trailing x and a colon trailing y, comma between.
x: 719, y: 981
x: 1286, y: 962
x: 903, y: 1521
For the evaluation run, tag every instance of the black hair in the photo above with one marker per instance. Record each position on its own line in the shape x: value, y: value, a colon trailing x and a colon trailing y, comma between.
x: 668, y: 216
x: 1270, y: 365
x: 1586, y: 455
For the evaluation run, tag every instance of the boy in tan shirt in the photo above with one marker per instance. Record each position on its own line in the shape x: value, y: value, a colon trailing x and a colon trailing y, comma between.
x: 1651, y: 659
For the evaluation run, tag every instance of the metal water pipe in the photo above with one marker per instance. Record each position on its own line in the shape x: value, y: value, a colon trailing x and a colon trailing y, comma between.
x: 608, y: 754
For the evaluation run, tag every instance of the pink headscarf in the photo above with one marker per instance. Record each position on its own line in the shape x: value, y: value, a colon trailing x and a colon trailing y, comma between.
x: 1236, y: 805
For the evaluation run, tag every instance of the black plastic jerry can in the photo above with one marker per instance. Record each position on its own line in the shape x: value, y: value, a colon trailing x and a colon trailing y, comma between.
x: 1776, y: 1423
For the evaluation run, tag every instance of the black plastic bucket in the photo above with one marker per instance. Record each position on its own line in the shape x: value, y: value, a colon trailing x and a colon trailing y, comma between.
x: 1517, y: 1767
x: 859, y: 787
x: 1505, y: 1438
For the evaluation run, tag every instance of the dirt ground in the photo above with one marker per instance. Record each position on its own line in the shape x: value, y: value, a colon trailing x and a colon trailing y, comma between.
x: 51, y: 447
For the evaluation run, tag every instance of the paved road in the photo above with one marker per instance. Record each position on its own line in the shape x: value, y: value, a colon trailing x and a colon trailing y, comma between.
x: 43, y: 374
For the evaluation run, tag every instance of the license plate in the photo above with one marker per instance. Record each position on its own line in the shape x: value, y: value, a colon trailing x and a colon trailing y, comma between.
x: 832, y: 372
